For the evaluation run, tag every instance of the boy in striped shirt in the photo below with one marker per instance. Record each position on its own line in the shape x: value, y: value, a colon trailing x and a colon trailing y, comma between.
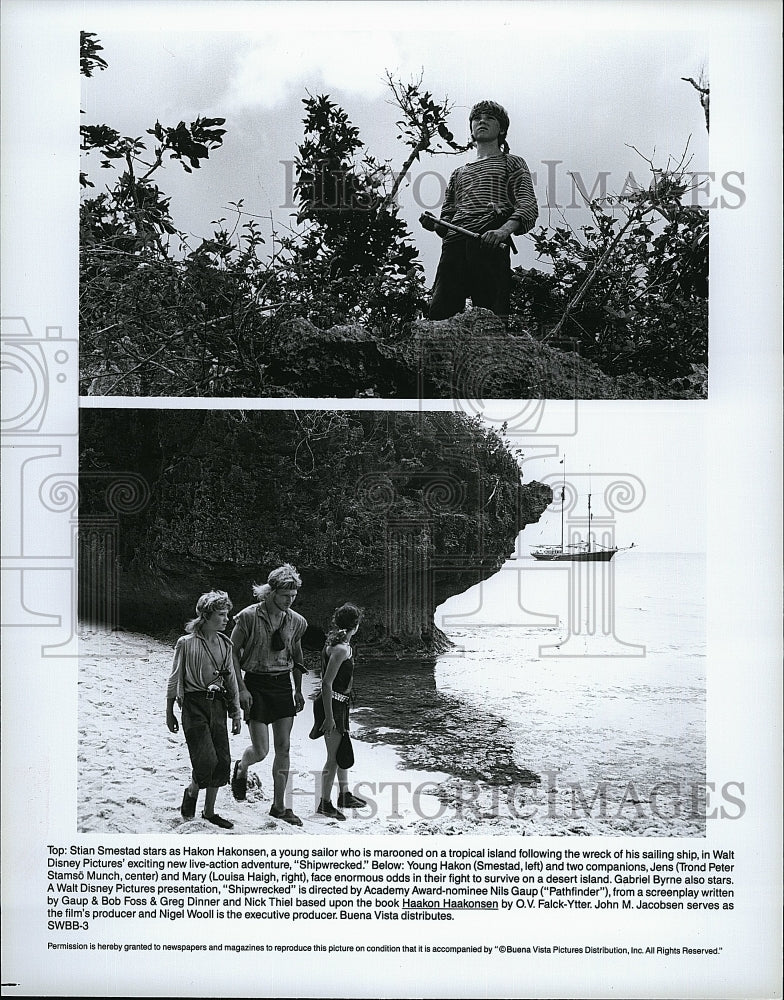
x: 493, y: 197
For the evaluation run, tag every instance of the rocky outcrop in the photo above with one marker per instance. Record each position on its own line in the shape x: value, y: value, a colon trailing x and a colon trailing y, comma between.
x: 394, y: 511
x: 471, y: 356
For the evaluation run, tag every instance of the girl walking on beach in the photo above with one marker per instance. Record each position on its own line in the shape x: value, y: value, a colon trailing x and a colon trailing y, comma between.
x: 203, y: 684
x: 331, y: 713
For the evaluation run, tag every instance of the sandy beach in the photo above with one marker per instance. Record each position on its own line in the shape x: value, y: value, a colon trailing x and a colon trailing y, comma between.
x: 132, y: 770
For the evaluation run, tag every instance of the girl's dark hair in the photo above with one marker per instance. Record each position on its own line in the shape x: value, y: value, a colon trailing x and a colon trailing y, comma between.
x: 344, y: 619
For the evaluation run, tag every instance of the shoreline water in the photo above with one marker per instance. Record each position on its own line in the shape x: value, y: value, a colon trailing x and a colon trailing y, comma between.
x: 131, y: 772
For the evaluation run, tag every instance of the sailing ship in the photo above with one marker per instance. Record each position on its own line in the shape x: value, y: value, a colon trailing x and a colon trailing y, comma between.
x: 580, y: 551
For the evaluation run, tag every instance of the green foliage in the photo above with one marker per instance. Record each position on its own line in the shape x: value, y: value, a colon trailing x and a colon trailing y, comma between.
x: 153, y: 324
x: 158, y: 316
x: 191, y: 143
x: 423, y: 125
x: 227, y: 316
x: 89, y: 60
x: 631, y: 288
x: 355, y: 261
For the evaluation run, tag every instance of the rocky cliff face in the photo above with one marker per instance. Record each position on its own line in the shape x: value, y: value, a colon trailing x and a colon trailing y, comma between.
x: 394, y: 511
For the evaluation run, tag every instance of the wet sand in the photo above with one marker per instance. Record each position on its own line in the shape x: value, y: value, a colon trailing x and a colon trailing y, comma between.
x: 132, y: 770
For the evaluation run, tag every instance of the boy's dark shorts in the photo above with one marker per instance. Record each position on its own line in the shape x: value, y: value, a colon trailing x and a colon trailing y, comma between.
x: 273, y: 697
x: 204, y: 725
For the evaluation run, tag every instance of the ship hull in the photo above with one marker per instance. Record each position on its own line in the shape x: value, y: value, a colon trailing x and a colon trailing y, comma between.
x: 604, y: 555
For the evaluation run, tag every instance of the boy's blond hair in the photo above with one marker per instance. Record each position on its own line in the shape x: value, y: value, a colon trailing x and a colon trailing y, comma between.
x: 280, y: 578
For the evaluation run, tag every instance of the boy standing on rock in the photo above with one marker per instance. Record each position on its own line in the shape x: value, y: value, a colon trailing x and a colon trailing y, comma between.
x: 493, y: 197
x: 266, y: 646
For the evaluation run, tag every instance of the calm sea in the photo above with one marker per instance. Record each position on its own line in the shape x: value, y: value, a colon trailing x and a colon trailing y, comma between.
x: 567, y: 673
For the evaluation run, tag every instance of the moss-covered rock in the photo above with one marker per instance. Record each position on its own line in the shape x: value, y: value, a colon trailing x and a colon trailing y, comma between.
x: 471, y: 356
x: 395, y: 511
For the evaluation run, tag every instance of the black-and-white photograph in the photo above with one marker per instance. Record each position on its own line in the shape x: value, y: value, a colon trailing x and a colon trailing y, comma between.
x: 391, y: 439
x: 519, y: 664
x: 308, y: 209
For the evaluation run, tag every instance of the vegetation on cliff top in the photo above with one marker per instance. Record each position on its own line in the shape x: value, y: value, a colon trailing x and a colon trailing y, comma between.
x: 160, y: 316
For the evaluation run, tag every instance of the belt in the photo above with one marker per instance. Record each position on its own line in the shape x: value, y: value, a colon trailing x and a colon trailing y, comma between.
x: 207, y: 693
x: 337, y: 696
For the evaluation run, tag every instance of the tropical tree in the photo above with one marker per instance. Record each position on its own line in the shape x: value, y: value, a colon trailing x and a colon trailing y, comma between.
x: 159, y: 315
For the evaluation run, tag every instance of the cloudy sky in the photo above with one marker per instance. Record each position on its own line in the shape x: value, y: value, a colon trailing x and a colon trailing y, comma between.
x: 582, y: 84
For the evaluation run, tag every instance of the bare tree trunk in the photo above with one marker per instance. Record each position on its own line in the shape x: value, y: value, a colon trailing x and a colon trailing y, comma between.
x: 586, y: 285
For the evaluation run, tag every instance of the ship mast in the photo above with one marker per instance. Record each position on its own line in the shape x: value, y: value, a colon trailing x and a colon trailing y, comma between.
x: 563, y: 495
x: 589, y: 508
x: 589, y: 522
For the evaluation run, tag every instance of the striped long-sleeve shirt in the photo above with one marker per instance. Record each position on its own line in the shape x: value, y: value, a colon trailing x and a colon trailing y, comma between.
x: 481, y: 191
